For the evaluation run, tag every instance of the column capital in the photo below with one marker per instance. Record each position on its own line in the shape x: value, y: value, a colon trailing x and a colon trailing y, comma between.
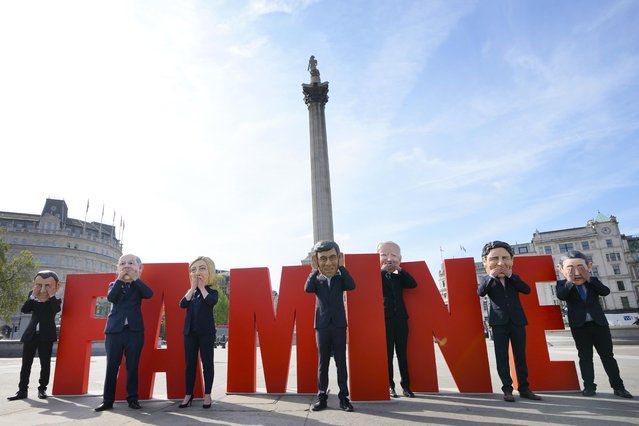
x: 315, y: 93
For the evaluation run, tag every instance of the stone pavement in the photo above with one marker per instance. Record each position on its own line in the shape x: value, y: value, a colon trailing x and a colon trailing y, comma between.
x: 448, y: 407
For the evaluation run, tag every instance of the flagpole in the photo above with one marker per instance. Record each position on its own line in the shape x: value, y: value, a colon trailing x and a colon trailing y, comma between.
x: 113, y: 225
x: 101, y: 219
x: 84, y: 225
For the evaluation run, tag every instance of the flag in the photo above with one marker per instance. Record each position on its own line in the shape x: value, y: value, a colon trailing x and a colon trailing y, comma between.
x: 462, y: 248
x: 87, y: 205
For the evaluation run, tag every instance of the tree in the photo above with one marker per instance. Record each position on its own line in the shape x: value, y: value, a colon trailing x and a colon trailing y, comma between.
x: 221, y: 309
x: 15, y: 279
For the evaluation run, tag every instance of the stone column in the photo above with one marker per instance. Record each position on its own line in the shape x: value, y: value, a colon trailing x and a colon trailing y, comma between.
x: 315, y: 96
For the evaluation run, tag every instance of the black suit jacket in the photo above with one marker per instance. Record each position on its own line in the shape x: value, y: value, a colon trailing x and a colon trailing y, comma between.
x: 126, y: 305
x: 393, y: 290
x: 42, y: 313
x: 577, y: 308
x: 505, y: 305
x: 329, y: 303
x: 204, y: 318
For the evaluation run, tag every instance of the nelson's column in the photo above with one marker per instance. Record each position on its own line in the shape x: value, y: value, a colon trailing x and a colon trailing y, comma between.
x: 315, y: 96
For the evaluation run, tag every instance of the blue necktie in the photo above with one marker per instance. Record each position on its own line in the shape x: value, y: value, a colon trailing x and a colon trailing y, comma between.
x: 582, y: 292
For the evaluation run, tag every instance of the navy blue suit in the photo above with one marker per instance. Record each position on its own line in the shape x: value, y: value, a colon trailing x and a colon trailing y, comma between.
x: 199, y: 335
x: 508, y: 321
x: 330, y: 325
x: 594, y: 332
x: 39, y: 336
x: 124, y: 335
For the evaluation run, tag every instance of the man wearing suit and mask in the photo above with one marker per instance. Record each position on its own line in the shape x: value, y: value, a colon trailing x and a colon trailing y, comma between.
x: 394, y: 281
x: 329, y: 279
x: 507, y: 317
x: 124, y: 330
x: 588, y: 324
x: 40, y: 333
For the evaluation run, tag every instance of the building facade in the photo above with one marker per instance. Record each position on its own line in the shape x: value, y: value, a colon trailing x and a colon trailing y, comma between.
x: 60, y: 243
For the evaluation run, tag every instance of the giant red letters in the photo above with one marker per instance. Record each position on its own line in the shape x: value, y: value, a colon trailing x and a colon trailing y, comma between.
x: 457, y: 330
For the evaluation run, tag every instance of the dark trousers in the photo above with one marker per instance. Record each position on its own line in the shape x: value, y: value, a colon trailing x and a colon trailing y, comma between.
x: 332, y: 341
x: 203, y: 343
x: 128, y: 343
x: 28, y: 353
x: 396, y: 339
x: 516, y: 336
x: 589, y: 335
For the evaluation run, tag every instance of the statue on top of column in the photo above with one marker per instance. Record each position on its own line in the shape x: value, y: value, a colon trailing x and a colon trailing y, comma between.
x: 312, y: 68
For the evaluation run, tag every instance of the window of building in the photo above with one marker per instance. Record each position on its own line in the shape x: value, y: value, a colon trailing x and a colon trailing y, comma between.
x: 620, y: 286
x: 616, y: 270
x: 523, y: 250
x: 608, y: 243
x: 564, y: 248
x: 595, y: 271
x: 625, y: 303
x: 548, y: 249
x: 589, y: 257
x: 613, y: 257
x: 585, y: 245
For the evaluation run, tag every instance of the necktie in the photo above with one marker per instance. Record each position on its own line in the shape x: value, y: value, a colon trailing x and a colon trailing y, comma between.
x: 582, y: 292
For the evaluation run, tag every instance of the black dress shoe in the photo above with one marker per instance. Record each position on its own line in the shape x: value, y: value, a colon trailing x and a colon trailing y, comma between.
x: 187, y: 403
x: 104, y: 406
x: 393, y: 394
x: 528, y: 394
x: 319, y: 405
x: 42, y: 394
x: 17, y: 396
x: 622, y: 392
x: 589, y: 392
x: 134, y: 404
x: 408, y: 393
x: 508, y: 397
x: 345, y: 405
x: 207, y: 405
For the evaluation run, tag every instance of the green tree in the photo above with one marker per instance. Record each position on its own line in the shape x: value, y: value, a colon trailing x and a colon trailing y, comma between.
x: 15, y: 279
x: 221, y: 309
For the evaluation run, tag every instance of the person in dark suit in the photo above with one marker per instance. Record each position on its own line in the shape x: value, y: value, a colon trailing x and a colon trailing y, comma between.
x: 507, y: 317
x: 394, y: 281
x: 199, y: 327
x: 588, y: 323
x: 124, y: 330
x: 40, y: 333
x: 329, y: 279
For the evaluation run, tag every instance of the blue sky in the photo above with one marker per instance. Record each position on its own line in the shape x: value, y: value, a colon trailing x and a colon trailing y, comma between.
x: 449, y: 123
